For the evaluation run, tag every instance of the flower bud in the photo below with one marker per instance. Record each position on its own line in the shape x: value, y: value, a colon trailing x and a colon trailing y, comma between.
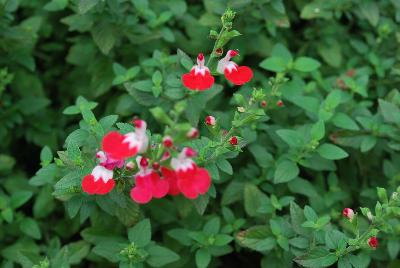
x: 167, y: 142
x: 279, y: 103
x: 219, y: 51
x: 373, y: 242
x: 144, y: 162
x: 241, y: 109
x: 130, y: 165
x: 190, y: 152
x: 348, y: 213
x: 192, y: 133
x: 156, y: 165
x: 370, y: 216
x: 263, y: 103
x: 210, y: 120
x: 233, y: 140
x: 165, y: 156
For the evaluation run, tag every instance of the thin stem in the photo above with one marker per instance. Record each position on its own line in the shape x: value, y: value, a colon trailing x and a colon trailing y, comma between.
x: 215, y: 46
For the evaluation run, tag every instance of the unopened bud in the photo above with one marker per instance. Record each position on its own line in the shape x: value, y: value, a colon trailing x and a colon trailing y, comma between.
x: 210, y: 120
x: 348, y: 213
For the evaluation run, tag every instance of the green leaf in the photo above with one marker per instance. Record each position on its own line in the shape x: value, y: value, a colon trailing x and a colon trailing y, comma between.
x: 291, y: 137
x: 297, y: 218
x: 161, y: 116
x: 46, y: 156
x: 253, y: 198
x: 56, y: 5
x: 370, y: 10
x: 212, y: 226
x: 305, y: 64
x: 334, y: 238
x: 72, y: 110
x: 19, y: 198
x: 140, y: 234
x: 317, y: 257
x: 258, y: 238
x: 103, y: 36
x: 85, y: 5
x: 222, y: 239
x: 225, y: 166
x: 203, y: 258
x: 274, y: 64
x: 368, y: 143
x: 318, y: 130
x: 8, y: 215
x: 331, y: 152
x: 390, y: 112
x: 280, y: 51
x: 160, y: 256
x: 286, y: 171
x: 310, y: 214
x: 157, y: 78
x: 30, y: 227
x: 344, y: 121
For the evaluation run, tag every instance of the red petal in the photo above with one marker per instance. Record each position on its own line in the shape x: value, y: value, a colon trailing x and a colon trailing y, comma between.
x: 170, y: 176
x: 89, y: 185
x: 105, y: 188
x: 160, y: 186
x: 141, y: 195
x: 202, y: 180
x: 186, y: 183
x: 198, y: 81
x: 114, y: 146
x: 239, y: 76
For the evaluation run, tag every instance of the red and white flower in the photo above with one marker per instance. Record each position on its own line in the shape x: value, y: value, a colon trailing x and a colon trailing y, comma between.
x: 148, y: 183
x: 170, y: 176
x: 100, y: 181
x: 236, y: 74
x: 191, y: 180
x: 120, y: 147
x: 348, y: 213
x: 199, y: 77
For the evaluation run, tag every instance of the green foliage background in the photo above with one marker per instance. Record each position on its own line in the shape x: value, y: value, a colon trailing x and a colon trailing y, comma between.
x: 125, y: 57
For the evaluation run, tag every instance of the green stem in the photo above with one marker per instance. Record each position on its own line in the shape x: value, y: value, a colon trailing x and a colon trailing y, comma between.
x: 212, y: 56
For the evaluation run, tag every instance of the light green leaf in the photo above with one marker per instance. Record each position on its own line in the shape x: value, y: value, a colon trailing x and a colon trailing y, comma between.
x: 331, y: 152
x: 140, y: 234
x: 286, y: 171
x: 305, y: 64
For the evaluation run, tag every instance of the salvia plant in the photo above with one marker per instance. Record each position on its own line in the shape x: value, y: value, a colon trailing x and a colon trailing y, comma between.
x: 199, y: 133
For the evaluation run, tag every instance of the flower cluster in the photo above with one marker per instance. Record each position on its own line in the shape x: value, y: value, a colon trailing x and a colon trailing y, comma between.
x: 200, y: 78
x: 177, y: 173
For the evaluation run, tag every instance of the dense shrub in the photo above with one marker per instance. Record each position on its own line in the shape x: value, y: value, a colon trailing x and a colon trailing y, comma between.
x: 304, y: 158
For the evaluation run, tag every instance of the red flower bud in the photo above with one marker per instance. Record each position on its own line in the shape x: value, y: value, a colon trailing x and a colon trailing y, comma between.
x: 210, y: 120
x: 264, y: 103
x: 219, y: 51
x: 138, y: 123
x: 233, y: 140
x: 192, y: 133
x: 167, y: 142
x: 373, y: 242
x: 144, y: 162
x: 279, y: 103
x: 190, y: 152
x: 156, y: 165
x: 348, y: 213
